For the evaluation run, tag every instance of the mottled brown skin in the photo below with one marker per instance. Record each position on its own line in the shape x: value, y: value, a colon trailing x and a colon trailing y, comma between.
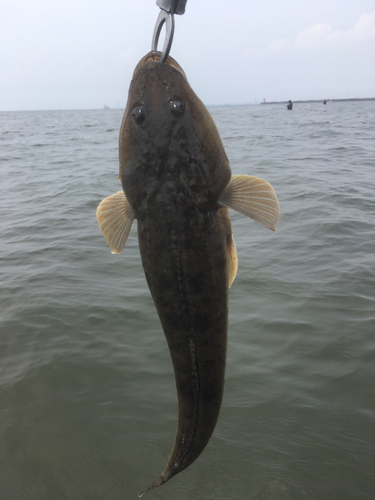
x: 173, y: 168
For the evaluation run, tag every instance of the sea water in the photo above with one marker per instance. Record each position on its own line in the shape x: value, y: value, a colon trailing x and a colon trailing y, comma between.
x: 88, y: 404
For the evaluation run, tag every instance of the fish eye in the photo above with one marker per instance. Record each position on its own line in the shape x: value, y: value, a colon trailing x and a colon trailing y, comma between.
x: 177, y: 107
x: 138, y: 114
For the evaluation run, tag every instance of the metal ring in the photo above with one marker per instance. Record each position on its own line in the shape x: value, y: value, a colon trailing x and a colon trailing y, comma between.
x: 168, y: 19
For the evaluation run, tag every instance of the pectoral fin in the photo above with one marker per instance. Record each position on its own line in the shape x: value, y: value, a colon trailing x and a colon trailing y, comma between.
x: 115, y: 217
x: 253, y: 197
x: 231, y: 246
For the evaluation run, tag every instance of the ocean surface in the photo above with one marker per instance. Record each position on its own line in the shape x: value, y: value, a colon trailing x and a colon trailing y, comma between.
x: 88, y: 403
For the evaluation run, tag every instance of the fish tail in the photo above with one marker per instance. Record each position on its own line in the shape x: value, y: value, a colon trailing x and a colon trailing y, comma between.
x: 166, y: 476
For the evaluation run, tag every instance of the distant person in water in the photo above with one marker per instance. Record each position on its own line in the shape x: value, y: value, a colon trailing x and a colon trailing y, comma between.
x: 324, y: 102
x: 289, y: 105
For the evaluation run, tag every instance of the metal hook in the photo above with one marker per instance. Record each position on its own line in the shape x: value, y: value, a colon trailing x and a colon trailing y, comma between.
x: 168, y: 19
x: 172, y: 6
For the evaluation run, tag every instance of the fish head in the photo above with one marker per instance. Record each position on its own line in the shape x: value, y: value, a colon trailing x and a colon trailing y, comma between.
x: 154, y: 106
x: 168, y: 135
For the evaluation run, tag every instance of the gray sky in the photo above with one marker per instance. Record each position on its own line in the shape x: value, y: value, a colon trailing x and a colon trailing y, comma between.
x: 73, y: 54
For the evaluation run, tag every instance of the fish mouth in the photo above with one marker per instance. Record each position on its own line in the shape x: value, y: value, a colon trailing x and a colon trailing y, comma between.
x: 155, y: 57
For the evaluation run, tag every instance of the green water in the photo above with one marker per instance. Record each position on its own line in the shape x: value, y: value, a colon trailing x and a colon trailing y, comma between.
x: 88, y: 406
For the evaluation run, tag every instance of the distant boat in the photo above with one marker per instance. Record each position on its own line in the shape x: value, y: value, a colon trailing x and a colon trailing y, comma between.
x: 106, y: 107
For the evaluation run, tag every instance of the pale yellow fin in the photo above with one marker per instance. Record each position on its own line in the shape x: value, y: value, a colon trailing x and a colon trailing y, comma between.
x: 232, y: 260
x: 231, y: 246
x: 115, y: 217
x: 253, y: 197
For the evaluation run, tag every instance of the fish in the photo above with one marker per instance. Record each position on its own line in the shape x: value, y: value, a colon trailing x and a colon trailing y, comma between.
x: 177, y: 183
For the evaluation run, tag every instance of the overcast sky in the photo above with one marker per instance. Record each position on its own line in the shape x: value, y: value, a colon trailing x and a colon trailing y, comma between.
x: 75, y: 54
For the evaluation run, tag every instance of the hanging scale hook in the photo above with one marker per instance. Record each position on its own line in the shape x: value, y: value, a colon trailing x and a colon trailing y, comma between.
x: 166, y: 15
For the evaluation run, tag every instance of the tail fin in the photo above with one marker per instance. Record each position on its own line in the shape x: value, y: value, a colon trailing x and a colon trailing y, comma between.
x: 166, y: 476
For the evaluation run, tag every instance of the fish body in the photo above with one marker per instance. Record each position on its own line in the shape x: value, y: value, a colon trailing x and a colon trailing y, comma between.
x: 177, y: 183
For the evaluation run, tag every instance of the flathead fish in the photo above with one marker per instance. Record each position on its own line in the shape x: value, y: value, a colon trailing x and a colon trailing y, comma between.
x: 177, y: 183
